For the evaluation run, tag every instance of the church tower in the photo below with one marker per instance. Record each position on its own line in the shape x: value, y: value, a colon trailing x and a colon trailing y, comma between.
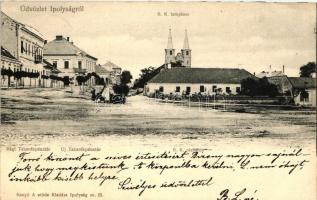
x: 169, y: 51
x: 186, y: 52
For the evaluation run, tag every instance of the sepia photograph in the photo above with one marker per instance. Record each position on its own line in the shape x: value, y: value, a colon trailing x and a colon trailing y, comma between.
x: 158, y: 100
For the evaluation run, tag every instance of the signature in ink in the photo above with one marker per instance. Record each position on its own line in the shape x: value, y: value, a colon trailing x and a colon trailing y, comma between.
x: 239, y: 195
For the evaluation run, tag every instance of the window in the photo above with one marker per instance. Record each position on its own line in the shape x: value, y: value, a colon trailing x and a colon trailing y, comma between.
x: 22, y: 47
x: 238, y: 90
x: 228, y: 90
x: 79, y: 64
x: 202, y: 88
x: 187, y: 53
x: 29, y: 49
x: 32, y: 50
x: 55, y: 64
x: 214, y: 88
x: 161, y: 89
x: 66, y: 64
x: 171, y: 52
x: 187, y: 90
x: 178, y: 89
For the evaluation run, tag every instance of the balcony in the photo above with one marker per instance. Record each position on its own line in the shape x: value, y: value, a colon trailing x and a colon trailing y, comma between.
x: 38, y: 59
x: 80, y: 71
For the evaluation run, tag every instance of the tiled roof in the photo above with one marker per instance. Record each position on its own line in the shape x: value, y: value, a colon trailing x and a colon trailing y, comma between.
x: 302, y: 82
x: 270, y: 74
x: 63, y: 47
x: 101, y: 70
x: 201, y: 75
x: 109, y: 65
x: 7, y: 54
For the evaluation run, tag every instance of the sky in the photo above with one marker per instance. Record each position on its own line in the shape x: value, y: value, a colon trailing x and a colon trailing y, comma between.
x: 132, y: 35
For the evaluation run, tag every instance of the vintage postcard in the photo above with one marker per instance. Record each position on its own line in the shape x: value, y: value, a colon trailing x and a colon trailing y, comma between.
x: 158, y: 100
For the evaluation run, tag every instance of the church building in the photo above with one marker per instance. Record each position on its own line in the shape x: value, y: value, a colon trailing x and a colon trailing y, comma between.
x: 183, y: 58
x: 178, y: 76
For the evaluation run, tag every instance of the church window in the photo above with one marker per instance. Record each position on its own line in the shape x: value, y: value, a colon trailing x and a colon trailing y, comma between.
x: 171, y: 52
x: 202, y: 88
x: 161, y: 89
x: 178, y: 89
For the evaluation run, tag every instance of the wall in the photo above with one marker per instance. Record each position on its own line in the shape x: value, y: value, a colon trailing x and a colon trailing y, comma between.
x: 73, y: 63
x: 281, y: 82
x: 9, y: 37
x: 87, y: 63
x: 32, y: 46
x: 171, y: 87
x: 13, y: 65
x: 312, y: 97
x: 310, y: 101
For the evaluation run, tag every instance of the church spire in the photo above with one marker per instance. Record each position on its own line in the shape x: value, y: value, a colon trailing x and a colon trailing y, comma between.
x: 186, y: 44
x: 170, y: 41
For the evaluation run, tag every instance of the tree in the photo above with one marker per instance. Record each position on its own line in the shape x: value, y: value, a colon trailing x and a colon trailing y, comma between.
x: 146, y: 75
x: 125, y: 77
x: 123, y: 88
x: 258, y: 87
x: 308, y: 69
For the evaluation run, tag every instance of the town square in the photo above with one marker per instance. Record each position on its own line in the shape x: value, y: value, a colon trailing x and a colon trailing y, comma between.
x: 158, y: 100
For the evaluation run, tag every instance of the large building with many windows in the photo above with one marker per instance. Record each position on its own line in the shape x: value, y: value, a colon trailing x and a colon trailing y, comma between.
x: 68, y: 58
x: 25, y: 44
x: 197, y: 80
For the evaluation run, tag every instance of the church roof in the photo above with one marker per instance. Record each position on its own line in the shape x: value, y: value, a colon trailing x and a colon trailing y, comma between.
x: 201, y: 75
x: 61, y: 46
x: 170, y: 41
x: 186, y: 44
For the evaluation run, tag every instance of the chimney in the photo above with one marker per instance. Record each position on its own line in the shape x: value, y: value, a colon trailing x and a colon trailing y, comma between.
x: 254, y: 73
x: 283, y: 69
x: 59, y: 37
x: 68, y: 39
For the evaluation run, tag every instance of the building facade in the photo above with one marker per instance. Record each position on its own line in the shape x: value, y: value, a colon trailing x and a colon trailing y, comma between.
x: 115, y: 72
x: 188, y: 81
x: 9, y: 64
x: 25, y: 44
x: 69, y: 59
x: 301, y: 89
x: 181, y: 59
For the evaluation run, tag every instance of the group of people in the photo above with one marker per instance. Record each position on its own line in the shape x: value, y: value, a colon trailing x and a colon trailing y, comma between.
x: 105, y: 96
x: 102, y: 96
